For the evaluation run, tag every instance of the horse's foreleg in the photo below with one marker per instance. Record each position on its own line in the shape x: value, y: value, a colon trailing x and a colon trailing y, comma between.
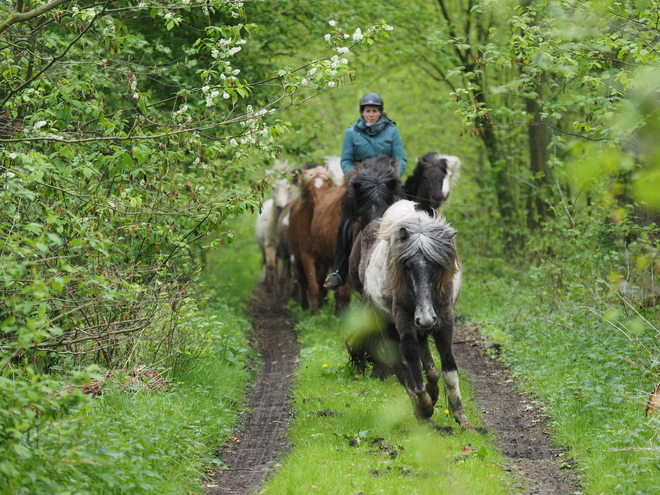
x: 302, y: 282
x: 271, y: 266
x: 410, y: 352
x: 443, y: 341
x: 432, y: 375
x: 309, y: 267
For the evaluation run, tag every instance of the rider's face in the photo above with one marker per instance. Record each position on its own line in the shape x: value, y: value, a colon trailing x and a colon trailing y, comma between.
x: 371, y: 114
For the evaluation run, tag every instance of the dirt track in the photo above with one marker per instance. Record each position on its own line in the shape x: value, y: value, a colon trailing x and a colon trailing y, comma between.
x: 515, y: 420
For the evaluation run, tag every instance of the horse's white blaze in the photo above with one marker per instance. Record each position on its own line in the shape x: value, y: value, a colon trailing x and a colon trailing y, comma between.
x: 446, y: 185
x: 376, y: 277
x: 318, y: 182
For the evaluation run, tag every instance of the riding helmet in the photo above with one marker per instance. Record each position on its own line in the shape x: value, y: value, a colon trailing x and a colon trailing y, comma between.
x: 371, y: 99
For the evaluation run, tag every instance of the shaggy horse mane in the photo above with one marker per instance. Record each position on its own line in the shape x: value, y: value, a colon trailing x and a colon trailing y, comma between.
x: 407, y: 230
x: 375, y: 182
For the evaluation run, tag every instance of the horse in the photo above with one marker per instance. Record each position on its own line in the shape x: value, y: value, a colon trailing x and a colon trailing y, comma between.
x: 411, y: 274
x: 308, y: 269
x: 283, y: 191
x: 373, y: 187
x: 334, y: 165
x: 432, y: 179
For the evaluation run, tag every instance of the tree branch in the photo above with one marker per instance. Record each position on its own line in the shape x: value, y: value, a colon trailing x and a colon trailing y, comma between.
x: 26, y: 16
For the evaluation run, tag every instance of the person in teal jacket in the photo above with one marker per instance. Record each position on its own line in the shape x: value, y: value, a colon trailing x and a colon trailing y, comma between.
x: 372, y: 135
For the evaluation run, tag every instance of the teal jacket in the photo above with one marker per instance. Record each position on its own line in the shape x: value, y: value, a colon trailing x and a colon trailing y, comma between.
x: 362, y: 141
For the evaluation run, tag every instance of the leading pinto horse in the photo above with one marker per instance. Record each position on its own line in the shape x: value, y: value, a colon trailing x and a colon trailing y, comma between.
x: 411, y: 275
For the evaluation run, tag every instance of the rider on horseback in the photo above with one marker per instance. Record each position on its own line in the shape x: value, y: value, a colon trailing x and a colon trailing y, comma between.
x: 372, y: 135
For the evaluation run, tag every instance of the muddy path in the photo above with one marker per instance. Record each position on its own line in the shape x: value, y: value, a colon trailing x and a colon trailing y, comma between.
x: 516, y: 420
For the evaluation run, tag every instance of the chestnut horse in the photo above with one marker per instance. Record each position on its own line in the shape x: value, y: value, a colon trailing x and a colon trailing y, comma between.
x: 309, y: 269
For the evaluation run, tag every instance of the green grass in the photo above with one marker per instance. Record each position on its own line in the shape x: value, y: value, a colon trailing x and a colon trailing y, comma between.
x: 592, y: 362
x: 334, y: 407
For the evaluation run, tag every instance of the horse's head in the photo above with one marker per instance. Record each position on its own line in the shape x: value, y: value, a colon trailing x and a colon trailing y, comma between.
x: 432, y: 179
x: 423, y: 257
x: 372, y: 189
x: 281, y: 193
x: 314, y: 180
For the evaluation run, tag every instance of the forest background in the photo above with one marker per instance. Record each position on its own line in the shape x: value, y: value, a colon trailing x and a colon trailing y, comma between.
x: 134, y: 133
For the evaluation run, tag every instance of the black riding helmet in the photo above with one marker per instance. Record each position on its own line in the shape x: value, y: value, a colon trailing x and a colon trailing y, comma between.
x: 371, y: 99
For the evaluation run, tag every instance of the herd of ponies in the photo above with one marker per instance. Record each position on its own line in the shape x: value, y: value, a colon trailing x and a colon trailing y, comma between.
x: 403, y: 265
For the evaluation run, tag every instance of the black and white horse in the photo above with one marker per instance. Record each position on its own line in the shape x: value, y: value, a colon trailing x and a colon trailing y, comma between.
x: 432, y: 179
x: 411, y: 278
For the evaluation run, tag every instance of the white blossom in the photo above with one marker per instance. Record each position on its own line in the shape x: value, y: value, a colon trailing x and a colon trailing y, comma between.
x: 10, y: 175
x: 215, y: 94
x: 387, y: 27
x: 343, y: 49
x: 234, y: 50
x: 13, y: 156
x: 332, y: 84
x: 40, y: 124
x: 205, y: 89
x: 311, y: 71
x: 196, y: 161
x: 236, y: 72
x: 357, y: 35
x: 346, y: 36
x: 215, y: 53
x: 327, y: 38
x: 226, y: 95
x: 233, y: 142
x: 333, y: 23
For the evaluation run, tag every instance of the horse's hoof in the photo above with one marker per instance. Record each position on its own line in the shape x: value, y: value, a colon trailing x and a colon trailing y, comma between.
x: 443, y: 430
x: 333, y: 282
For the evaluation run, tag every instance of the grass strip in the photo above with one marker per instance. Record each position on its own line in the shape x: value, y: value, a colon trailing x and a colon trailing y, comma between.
x: 354, y: 434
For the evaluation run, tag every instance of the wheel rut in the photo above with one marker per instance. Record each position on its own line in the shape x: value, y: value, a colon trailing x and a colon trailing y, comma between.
x: 515, y: 419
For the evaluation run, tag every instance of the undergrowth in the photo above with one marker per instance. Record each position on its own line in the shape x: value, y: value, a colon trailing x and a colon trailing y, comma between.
x: 575, y: 331
x: 136, y: 440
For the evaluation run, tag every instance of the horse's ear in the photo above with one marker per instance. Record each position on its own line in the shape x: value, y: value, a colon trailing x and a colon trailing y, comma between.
x: 451, y: 233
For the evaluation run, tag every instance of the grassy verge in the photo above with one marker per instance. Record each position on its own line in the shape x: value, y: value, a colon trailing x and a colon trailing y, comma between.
x: 358, y: 435
x: 588, y: 358
x: 136, y: 440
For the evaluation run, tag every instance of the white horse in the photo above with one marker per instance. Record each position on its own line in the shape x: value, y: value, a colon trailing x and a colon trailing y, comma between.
x: 283, y: 191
